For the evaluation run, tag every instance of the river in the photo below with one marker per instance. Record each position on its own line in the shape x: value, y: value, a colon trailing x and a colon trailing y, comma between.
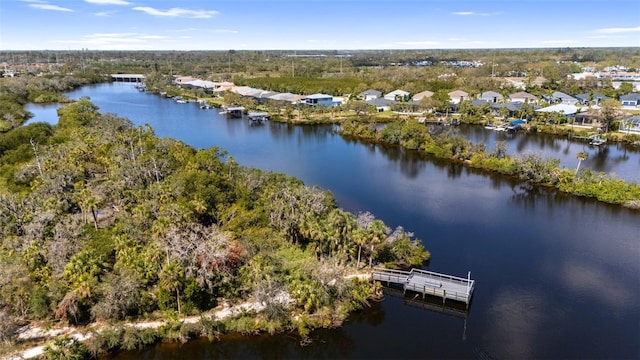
x: 556, y: 276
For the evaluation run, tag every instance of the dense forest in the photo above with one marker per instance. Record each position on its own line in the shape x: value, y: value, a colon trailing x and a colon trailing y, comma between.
x: 101, y: 220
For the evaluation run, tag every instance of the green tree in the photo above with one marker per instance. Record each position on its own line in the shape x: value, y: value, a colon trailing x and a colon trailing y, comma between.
x: 172, y: 279
x: 609, y: 114
x: 581, y: 157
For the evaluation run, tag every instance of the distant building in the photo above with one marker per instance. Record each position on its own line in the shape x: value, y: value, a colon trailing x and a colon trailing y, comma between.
x: 458, y: 96
x: 369, y: 95
x: 184, y: 79
x: 319, y: 100
x: 567, y: 110
x: 287, y: 98
x: 381, y: 104
x: 591, y: 98
x: 491, y: 96
x: 630, y: 100
x: 523, y: 97
x: 560, y: 98
x: 421, y: 95
x: 398, y: 95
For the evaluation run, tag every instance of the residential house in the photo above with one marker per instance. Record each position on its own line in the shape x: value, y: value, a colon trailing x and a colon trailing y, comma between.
x: 318, y: 100
x: 245, y: 91
x: 286, y: 98
x: 591, y: 98
x: 523, y: 97
x: 421, y: 95
x: 458, y: 96
x: 398, y: 95
x: 564, y: 109
x: 369, y: 94
x: 223, y: 86
x: 587, y: 118
x: 183, y: 79
x: 491, y: 96
x: 263, y: 96
x: 381, y: 104
x: 630, y: 100
x: 630, y: 124
x: 560, y: 98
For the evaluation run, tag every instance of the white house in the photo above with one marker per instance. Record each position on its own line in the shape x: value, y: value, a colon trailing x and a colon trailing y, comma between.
x: 458, y: 96
x: 398, y: 95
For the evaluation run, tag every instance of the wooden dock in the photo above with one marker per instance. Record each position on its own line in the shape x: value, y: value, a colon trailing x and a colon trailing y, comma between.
x: 429, y: 283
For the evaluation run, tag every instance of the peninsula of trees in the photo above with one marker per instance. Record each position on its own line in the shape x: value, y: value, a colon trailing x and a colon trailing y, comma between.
x: 104, y: 221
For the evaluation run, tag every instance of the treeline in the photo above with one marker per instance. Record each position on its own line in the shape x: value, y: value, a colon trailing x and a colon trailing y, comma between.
x: 101, y: 220
x: 16, y: 92
x: 530, y: 168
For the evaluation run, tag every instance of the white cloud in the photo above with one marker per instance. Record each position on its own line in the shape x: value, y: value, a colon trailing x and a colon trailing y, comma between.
x: 618, y: 30
x: 177, y: 12
x: 225, y: 31
x: 44, y: 6
x: 108, y: 2
x: 104, y: 13
x: 472, y: 13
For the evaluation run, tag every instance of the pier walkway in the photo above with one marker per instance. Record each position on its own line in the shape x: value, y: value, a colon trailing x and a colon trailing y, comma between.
x: 135, y: 78
x: 429, y: 283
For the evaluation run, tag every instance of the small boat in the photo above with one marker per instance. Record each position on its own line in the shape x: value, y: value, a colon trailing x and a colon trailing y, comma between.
x: 181, y: 101
x: 596, y: 140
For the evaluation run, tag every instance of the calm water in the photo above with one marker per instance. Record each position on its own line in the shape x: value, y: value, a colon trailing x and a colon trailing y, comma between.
x: 556, y: 276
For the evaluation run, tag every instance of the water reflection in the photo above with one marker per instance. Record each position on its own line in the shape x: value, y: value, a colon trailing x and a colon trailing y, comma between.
x: 518, y: 318
x: 611, y: 158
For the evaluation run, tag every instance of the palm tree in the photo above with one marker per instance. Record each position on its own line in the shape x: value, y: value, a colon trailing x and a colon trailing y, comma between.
x: 581, y: 157
x: 171, y: 279
x: 377, y: 233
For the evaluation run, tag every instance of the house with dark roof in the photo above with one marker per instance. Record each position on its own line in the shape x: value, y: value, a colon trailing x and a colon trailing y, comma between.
x: 369, y: 94
x: 591, y: 98
x: 588, y: 118
x: 491, y: 96
x: 559, y: 97
x: 630, y: 100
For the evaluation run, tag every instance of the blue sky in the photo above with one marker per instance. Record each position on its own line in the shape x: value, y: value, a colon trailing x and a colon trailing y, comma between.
x: 316, y: 24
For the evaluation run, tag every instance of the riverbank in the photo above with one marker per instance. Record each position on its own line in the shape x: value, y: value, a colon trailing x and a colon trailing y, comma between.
x: 33, y: 340
x: 30, y: 334
x: 530, y: 168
